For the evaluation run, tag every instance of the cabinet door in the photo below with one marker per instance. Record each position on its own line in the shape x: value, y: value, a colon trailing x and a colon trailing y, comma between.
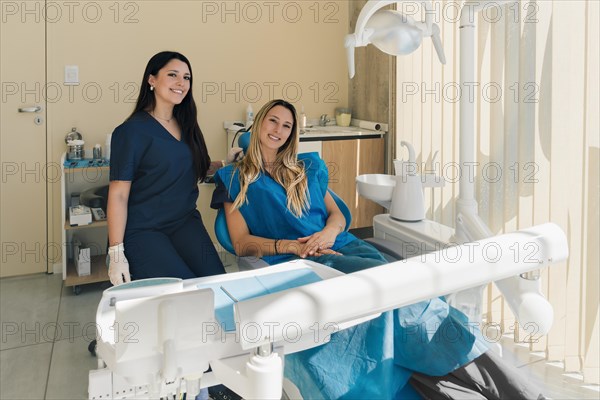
x: 346, y: 159
x: 23, y: 140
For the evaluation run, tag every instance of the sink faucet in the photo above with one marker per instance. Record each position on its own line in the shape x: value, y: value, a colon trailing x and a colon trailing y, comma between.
x: 324, y: 120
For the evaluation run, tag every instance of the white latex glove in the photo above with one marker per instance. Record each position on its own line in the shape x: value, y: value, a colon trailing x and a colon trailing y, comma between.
x: 234, y: 154
x: 118, y: 266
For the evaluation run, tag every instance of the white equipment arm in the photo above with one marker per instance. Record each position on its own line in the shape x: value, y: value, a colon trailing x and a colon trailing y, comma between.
x: 155, y: 338
x: 390, y: 286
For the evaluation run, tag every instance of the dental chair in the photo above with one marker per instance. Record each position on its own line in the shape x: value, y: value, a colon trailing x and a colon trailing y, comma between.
x: 222, y: 232
x: 249, y: 263
x: 387, y: 248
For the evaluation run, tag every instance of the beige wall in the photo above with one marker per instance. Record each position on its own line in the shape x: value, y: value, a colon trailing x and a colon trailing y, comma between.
x: 241, y: 52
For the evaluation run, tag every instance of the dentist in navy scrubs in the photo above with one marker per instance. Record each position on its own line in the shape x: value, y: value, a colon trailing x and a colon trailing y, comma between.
x: 158, y: 156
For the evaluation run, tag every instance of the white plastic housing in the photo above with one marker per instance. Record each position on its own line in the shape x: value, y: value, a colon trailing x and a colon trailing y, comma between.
x: 404, y: 282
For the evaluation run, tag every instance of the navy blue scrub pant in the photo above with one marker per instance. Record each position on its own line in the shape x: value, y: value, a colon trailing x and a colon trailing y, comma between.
x: 183, y: 250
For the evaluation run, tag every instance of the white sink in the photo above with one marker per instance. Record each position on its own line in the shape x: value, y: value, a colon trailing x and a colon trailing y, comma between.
x: 376, y: 187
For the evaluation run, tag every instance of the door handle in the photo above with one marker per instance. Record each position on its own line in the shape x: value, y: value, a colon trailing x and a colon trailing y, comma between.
x: 30, y: 109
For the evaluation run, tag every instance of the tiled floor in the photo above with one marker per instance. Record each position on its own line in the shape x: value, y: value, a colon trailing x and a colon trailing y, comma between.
x: 45, y: 333
x: 46, y: 330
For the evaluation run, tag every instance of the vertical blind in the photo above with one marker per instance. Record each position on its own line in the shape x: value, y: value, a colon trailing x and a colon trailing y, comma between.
x: 537, y: 147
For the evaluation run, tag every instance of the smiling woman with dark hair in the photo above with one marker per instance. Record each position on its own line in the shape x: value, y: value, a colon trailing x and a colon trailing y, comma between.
x: 158, y: 156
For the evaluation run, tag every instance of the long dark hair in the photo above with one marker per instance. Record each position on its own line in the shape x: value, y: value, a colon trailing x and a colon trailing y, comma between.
x: 185, y: 113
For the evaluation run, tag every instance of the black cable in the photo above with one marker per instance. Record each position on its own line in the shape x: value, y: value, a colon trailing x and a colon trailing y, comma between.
x: 237, y: 133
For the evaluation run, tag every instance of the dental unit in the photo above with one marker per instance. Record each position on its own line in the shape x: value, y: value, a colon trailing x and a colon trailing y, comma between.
x: 158, y: 337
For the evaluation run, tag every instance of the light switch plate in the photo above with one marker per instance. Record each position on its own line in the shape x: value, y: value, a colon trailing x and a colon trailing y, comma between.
x: 71, y: 75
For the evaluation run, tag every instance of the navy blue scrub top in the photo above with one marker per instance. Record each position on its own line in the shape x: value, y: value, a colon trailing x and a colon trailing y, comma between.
x: 164, y: 188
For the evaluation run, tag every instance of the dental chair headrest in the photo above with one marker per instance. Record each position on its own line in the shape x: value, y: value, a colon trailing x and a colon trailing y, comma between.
x: 244, y: 141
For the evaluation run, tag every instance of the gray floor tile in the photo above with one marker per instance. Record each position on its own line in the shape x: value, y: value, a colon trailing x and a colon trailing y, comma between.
x: 71, y: 362
x: 29, y: 309
x: 77, y: 314
x: 24, y: 372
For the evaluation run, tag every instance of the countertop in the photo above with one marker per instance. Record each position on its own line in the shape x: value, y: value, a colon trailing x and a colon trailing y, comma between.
x: 334, y: 132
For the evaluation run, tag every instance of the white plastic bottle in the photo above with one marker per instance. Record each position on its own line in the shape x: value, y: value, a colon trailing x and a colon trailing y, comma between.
x: 302, y: 122
x: 107, y: 146
x: 249, y: 116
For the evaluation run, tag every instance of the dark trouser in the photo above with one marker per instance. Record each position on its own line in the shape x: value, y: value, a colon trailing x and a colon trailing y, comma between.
x: 486, y: 377
x: 184, y: 250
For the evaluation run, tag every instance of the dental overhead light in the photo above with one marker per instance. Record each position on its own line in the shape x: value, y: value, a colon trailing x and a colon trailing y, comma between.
x: 392, y: 32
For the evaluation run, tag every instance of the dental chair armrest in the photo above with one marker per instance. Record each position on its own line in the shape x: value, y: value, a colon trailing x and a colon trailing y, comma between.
x: 389, y: 249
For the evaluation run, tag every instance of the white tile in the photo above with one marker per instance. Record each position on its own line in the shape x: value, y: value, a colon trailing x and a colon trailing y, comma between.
x: 593, y: 388
x: 29, y: 309
x: 574, y: 376
x: 24, y: 372
x: 549, y: 375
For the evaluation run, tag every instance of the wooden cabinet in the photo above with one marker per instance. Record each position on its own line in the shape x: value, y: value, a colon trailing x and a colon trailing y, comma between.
x: 93, y: 236
x: 346, y: 159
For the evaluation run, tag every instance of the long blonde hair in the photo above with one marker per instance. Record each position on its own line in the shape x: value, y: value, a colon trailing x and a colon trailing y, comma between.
x: 286, y: 170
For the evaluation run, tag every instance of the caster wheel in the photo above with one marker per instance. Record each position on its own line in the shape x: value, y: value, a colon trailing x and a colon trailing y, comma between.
x: 92, y: 347
x: 76, y: 290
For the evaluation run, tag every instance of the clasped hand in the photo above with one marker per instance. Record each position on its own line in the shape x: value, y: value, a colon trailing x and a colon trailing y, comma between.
x: 319, y: 243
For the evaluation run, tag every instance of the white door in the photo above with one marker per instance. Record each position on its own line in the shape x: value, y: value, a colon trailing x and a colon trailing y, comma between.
x: 23, y: 210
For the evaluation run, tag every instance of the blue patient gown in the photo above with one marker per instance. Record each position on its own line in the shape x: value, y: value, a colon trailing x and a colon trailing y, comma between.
x: 373, y: 360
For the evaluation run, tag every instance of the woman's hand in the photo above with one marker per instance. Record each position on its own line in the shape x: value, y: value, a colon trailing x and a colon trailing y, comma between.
x: 234, y: 154
x: 325, y: 252
x: 298, y: 248
x: 118, y: 266
x: 318, y: 241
